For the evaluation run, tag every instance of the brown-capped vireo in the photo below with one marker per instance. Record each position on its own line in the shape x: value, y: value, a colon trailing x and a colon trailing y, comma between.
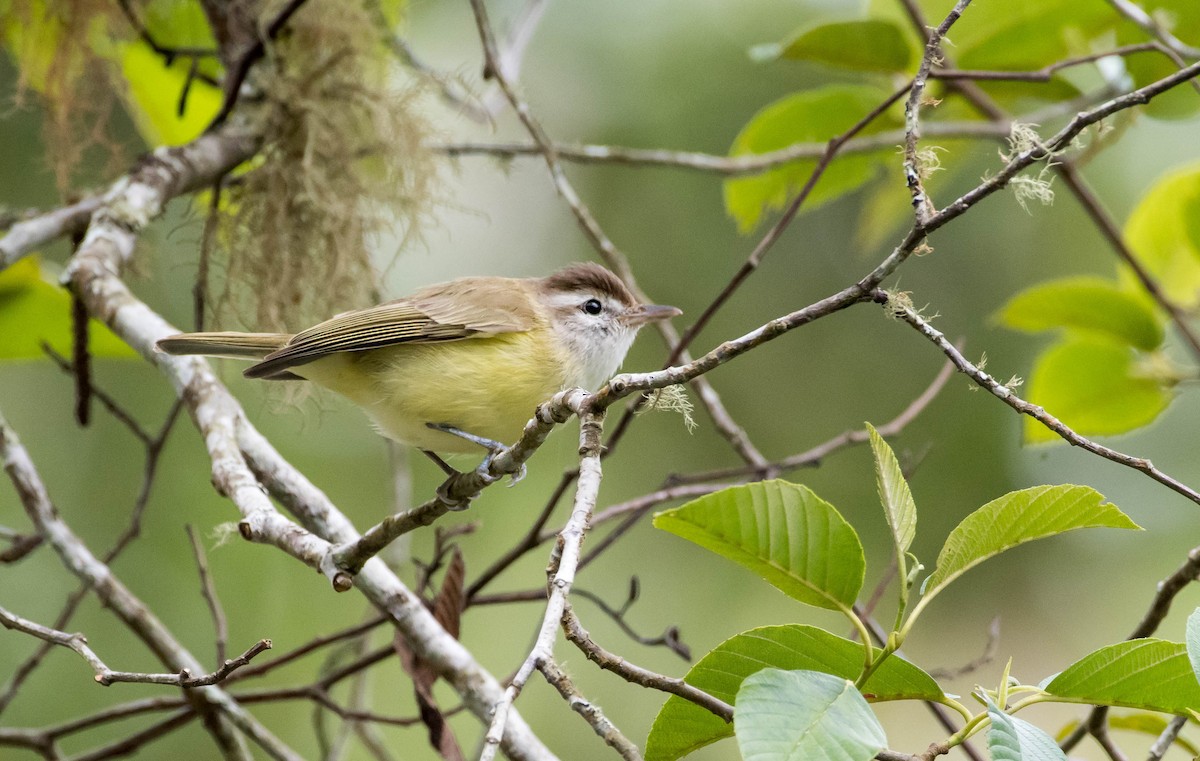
x: 477, y: 354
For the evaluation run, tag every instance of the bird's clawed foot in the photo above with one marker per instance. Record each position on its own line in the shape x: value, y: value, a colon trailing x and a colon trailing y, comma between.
x: 493, y: 447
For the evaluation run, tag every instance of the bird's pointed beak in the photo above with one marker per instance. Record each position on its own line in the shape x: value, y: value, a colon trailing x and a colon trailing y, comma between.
x: 637, y: 316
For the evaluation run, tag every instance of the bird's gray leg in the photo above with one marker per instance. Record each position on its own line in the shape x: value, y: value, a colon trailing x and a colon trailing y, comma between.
x: 493, y: 447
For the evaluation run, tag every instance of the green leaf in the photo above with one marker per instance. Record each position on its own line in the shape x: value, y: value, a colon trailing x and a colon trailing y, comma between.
x: 781, y: 531
x: 1193, y: 641
x: 1019, y: 517
x: 894, y: 493
x: 153, y: 94
x: 800, y: 715
x: 1096, y: 388
x: 1090, y: 304
x: 1165, y: 236
x: 1013, y: 739
x: 867, y: 45
x: 806, y: 117
x: 33, y: 309
x: 1151, y: 674
x: 1022, y: 35
x: 1019, y: 35
x: 681, y: 726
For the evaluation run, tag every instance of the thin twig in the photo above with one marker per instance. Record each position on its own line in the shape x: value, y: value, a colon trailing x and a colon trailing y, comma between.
x: 564, y: 562
x: 669, y: 639
x: 1150, y: 25
x: 1006, y: 395
x: 131, y: 610
x: 601, y: 725
x: 209, y: 591
x: 754, y: 260
x: 923, y: 207
x: 107, y: 676
x: 236, y: 76
x: 730, y: 166
x: 1167, y: 738
x: 635, y: 674
x: 1046, y: 73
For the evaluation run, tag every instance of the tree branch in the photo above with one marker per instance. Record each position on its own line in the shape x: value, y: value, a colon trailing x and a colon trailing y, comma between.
x: 1006, y: 395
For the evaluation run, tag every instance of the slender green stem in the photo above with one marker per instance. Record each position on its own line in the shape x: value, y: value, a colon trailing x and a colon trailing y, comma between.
x: 962, y: 710
x: 979, y: 720
x: 902, y: 577
x: 875, y: 663
x: 973, y: 725
x: 864, y: 635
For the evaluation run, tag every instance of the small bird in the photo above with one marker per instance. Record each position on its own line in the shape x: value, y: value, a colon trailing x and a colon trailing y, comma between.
x: 455, y: 365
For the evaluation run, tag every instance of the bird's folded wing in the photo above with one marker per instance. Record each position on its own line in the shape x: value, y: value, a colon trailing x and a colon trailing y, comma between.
x: 422, y: 319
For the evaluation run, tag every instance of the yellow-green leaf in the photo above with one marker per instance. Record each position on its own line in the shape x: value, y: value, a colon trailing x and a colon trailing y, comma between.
x: 1096, y: 387
x: 1152, y: 674
x: 1019, y: 517
x: 1089, y: 304
x: 154, y: 91
x: 897, y: 499
x: 781, y: 531
x: 806, y: 117
x: 34, y: 309
x: 866, y: 45
x: 1165, y: 235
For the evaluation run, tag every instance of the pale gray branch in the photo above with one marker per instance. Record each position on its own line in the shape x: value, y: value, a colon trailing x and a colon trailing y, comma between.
x: 117, y: 597
x: 601, y: 724
x: 107, y: 676
x: 564, y: 561
x: 29, y: 234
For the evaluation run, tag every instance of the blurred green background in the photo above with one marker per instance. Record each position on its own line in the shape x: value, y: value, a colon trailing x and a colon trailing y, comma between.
x: 671, y: 74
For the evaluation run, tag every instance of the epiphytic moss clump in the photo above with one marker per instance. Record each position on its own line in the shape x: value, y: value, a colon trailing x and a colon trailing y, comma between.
x: 59, y: 48
x: 343, y: 165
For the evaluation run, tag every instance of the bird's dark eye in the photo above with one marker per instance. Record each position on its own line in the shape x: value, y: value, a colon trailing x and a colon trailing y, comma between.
x: 593, y: 306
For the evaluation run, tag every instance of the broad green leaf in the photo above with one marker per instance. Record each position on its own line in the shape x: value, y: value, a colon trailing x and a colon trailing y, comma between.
x: 1021, y: 35
x: 1090, y: 304
x: 1024, y: 35
x: 33, y: 309
x: 867, y: 45
x: 801, y: 715
x: 1165, y: 235
x: 781, y: 531
x: 806, y: 117
x: 154, y: 90
x: 681, y: 726
x: 1019, y: 517
x: 1013, y: 739
x: 1152, y: 724
x: 1151, y: 674
x: 1193, y: 642
x: 894, y: 493
x: 1095, y: 387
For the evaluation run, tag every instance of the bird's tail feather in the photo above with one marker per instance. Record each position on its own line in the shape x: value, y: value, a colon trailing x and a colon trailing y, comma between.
x: 227, y: 344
